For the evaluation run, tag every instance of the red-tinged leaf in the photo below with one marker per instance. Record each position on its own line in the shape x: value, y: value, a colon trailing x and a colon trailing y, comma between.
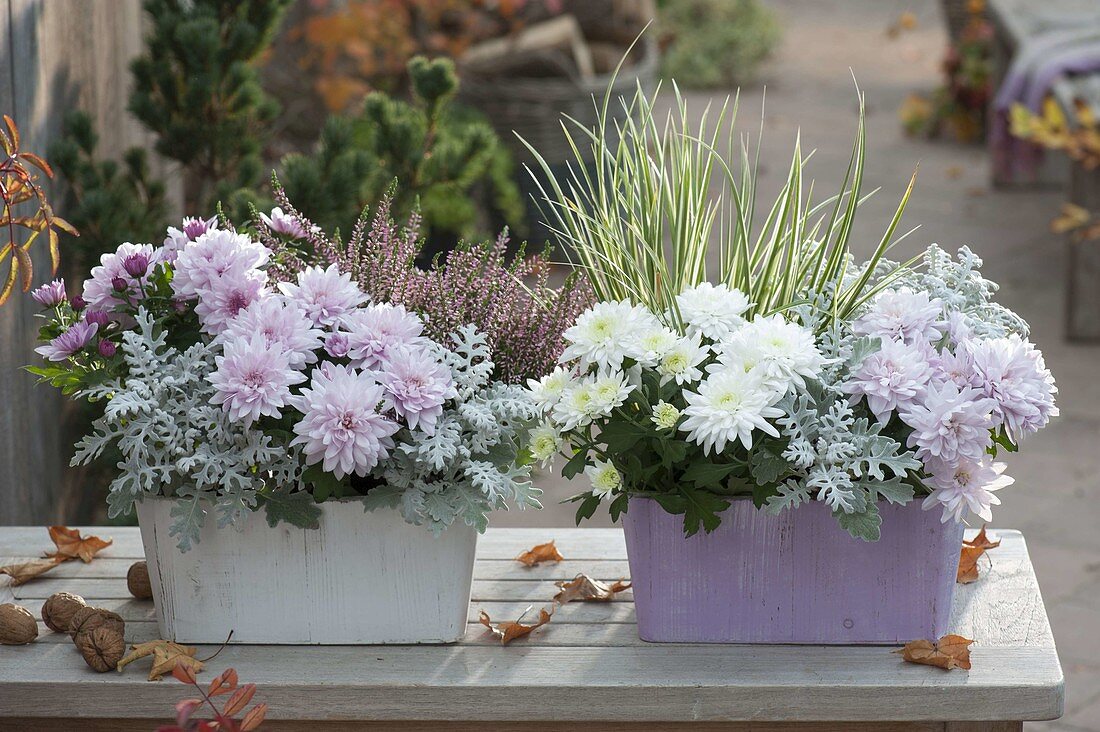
x: 13, y: 131
x: 38, y: 163
x: 183, y: 672
x: 240, y: 699
x: 224, y: 684
x: 254, y: 717
x: 185, y: 708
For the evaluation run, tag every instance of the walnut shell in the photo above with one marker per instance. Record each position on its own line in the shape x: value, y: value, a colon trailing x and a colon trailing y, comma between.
x: 17, y: 625
x: 87, y: 619
x: 102, y: 647
x: 58, y: 610
x: 137, y: 581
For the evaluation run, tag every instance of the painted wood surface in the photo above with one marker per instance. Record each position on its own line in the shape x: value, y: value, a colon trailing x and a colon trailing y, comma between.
x: 587, y: 664
x: 793, y: 578
x: 362, y: 577
x: 55, y: 55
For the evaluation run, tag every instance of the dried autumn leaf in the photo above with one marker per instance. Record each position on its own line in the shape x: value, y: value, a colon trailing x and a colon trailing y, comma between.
x: 541, y: 553
x: 971, y: 552
x: 71, y: 545
x: 25, y: 571
x: 950, y: 651
x: 584, y: 588
x: 167, y: 656
x: 1072, y: 217
x: 240, y: 699
x: 225, y: 683
x: 508, y: 631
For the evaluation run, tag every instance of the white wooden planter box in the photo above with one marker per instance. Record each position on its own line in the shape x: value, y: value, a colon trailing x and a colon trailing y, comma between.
x: 361, y: 578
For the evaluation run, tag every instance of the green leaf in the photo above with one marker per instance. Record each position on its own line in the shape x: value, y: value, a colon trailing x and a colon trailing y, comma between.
x: 621, y: 436
x: 618, y: 506
x: 296, y: 509
x: 589, y: 504
x: 767, y: 465
x: 576, y: 464
x: 864, y: 525
x: 702, y: 508
x: 893, y: 490
x: 325, y: 484
x: 705, y: 473
x: 1001, y: 438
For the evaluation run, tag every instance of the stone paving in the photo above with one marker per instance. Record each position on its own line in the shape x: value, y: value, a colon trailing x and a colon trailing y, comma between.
x: 809, y: 86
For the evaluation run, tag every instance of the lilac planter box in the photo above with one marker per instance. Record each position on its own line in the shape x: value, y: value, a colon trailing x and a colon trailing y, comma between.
x: 793, y: 578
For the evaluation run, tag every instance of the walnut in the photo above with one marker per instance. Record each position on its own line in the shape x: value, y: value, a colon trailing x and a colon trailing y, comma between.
x: 17, y: 625
x: 102, y: 647
x: 86, y: 619
x: 137, y: 581
x: 59, y: 609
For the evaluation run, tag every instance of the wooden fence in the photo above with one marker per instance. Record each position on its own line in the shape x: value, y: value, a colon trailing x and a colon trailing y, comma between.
x: 54, y: 55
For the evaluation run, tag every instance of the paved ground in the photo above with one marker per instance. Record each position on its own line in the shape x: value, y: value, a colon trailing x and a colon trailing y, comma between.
x: 809, y: 86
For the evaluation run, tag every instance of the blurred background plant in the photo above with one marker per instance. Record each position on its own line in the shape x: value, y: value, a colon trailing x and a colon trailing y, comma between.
x: 958, y: 108
x: 448, y: 161
x: 711, y: 43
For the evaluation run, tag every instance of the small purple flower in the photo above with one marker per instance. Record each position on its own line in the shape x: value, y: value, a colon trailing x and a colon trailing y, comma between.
x: 417, y: 386
x: 177, y: 239
x: 106, y: 348
x: 287, y: 225
x: 50, y: 294
x: 136, y: 264
x: 109, y: 280
x: 892, y: 378
x: 193, y: 227
x: 341, y: 427
x: 98, y: 317
x: 253, y: 378
x: 950, y: 424
x: 78, y: 303
x: 68, y: 343
x: 336, y: 344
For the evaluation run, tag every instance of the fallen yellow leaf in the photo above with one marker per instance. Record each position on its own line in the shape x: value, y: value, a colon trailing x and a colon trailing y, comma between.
x: 584, y: 588
x: 950, y: 651
x: 508, y: 631
x: 540, y: 553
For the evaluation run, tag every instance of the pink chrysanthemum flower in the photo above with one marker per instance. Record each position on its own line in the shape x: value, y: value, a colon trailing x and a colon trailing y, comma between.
x: 967, y: 485
x: 902, y: 315
x: 375, y: 331
x: 893, y: 377
x: 417, y: 386
x: 100, y: 291
x: 950, y: 424
x: 341, y: 427
x: 287, y: 225
x: 324, y: 295
x: 226, y: 296
x: 1012, y: 373
x: 253, y: 378
x: 957, y: 368
x: 177, y: 239
x: 71, y: 341
x: 50, y: 294
x: 213, y: 255
x: 281, y: 322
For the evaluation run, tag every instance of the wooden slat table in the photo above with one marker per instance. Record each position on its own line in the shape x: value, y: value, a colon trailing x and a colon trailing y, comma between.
x: 586, y: 670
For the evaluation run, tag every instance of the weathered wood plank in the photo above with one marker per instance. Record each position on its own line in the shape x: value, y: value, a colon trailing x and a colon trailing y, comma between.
x: 582, y: 661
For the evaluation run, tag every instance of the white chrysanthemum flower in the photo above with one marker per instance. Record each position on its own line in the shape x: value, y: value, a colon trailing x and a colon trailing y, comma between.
x: 608, y: 392
x: 729, y: 406
x: 903, y: 315
x: 712, y: 311
x: 681, y: 362
x: 780, y: 352
x: 607, y: 333
x: 968, y: 484
x: 575, y: 408
x: 548, y: 390
x: 604, y: 477
x: 654, y: 343
x: 545, y: 442
x: 665, y: 415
